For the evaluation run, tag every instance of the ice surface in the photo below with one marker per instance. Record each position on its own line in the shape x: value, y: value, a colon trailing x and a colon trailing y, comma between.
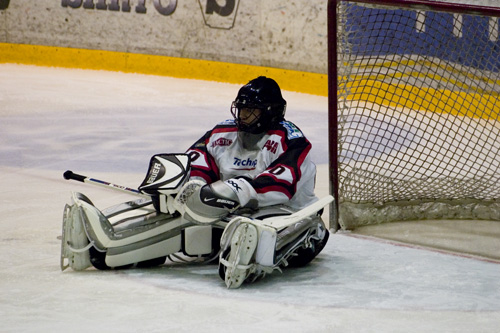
x: 107, y: 125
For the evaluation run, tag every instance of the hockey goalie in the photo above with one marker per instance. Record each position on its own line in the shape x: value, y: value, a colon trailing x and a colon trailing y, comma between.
x: 242, y: 195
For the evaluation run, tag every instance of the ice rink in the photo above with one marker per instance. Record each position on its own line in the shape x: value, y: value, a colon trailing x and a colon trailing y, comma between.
x: 107, y: 125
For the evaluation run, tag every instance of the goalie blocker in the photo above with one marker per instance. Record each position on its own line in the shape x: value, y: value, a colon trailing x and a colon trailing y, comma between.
x: 189, y: 217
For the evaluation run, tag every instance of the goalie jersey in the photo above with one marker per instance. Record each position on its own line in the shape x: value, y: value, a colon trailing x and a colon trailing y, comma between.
x: 277, y: 163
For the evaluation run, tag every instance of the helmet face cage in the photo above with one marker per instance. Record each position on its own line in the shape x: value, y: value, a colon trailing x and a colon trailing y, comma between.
x: 236, y: 111
x: 264, y: 94
x: 256, y: 124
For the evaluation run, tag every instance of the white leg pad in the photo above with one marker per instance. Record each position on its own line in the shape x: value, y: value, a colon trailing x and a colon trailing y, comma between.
x: 198, y: 240
x: 159, y: 249
x: 266, y: 249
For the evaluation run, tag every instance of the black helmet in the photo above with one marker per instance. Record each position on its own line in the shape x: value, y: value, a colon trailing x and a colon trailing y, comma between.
x: 264, y: 94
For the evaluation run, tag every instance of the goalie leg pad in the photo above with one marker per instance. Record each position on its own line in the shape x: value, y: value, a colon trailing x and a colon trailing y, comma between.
x: 251, y: 248
x: 143, y: 251
x: 85, y: 227
x: 300, y: 243
x: 198, y: 240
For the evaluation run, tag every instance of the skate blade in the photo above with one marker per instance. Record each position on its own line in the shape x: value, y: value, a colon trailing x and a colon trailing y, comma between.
x: 64, y: 243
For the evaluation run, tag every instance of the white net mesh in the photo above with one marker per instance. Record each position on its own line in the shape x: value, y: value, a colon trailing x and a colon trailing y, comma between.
x: 418, y: 115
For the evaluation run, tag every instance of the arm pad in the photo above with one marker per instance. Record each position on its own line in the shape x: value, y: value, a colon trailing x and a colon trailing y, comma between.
x: 247, y: 196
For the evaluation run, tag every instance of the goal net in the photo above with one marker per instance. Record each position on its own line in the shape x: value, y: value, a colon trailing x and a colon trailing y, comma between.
x: 414, y: 111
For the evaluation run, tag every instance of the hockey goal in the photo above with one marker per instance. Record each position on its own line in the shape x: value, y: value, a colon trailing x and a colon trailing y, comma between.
x: 414, y: 111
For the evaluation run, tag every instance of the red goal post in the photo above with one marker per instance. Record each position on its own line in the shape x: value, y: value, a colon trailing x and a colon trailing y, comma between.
x: 414, y: 111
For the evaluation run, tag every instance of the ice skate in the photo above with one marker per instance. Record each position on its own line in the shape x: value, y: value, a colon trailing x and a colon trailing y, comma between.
x: 238, y: 265
x: 74, y: 243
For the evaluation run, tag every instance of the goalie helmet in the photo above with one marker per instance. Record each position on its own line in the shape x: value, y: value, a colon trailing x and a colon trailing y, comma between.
x: 263, y: 94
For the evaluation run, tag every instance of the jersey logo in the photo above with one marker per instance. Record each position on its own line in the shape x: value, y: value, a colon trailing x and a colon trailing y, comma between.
x: 234, y: 185
x: 272, y: 146
x: 221, y: 142
x: 292, y: 131
x: 227, y: 122
x: 154, y: 173
x: 245, y: 163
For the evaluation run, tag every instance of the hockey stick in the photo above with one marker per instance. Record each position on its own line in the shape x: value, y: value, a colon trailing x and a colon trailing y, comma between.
x: 84, y: 179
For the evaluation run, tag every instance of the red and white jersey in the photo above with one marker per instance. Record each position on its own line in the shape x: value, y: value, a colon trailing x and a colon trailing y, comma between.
x: 278, y: 166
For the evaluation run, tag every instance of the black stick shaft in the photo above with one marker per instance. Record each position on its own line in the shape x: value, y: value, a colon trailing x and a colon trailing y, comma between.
x: 70, y: 175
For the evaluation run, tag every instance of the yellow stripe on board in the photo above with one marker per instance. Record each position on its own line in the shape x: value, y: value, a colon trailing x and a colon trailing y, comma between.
x: 309, y: 83
x: 485, y: 106
x: 481, y: 105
